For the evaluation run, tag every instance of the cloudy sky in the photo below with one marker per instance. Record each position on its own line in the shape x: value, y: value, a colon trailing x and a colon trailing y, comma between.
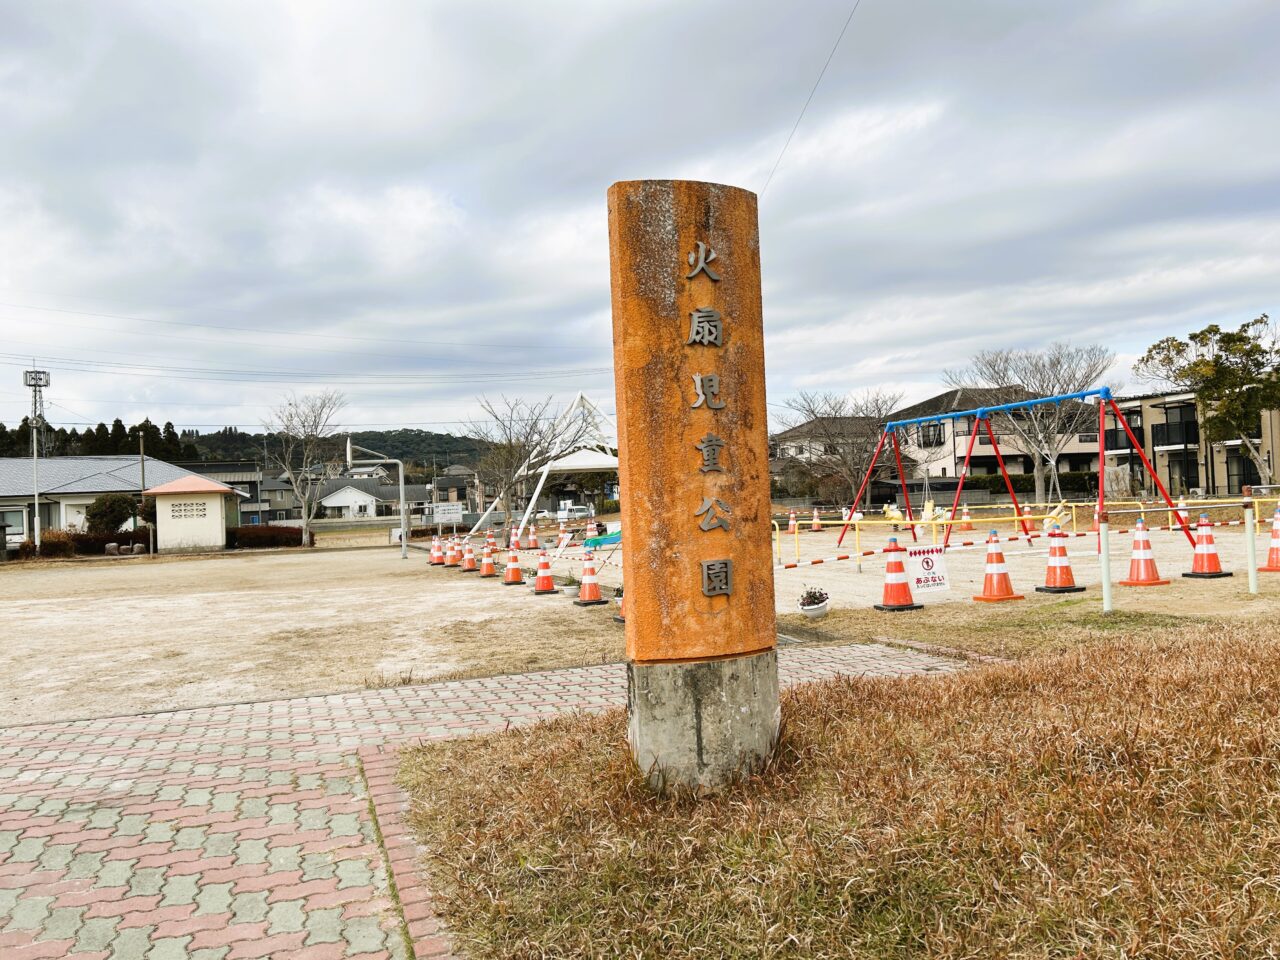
x: 203, y: 205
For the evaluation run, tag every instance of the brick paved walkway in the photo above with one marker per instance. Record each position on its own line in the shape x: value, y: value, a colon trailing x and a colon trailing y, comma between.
x: 249, y: 831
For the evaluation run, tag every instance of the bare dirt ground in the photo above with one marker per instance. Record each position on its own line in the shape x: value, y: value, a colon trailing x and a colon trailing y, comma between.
x: 105, y: 637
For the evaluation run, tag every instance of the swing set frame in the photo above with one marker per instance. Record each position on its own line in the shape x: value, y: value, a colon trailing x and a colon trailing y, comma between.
x: 982, y: 421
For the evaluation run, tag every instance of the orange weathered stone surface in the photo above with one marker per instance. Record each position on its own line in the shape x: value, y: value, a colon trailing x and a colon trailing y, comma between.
x: 653, y: 226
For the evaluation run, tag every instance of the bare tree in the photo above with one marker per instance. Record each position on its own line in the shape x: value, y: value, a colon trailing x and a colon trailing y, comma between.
x: 302, y: 444
x: 839, y: 431
x: 1043, y: 430
x: 520, y: 438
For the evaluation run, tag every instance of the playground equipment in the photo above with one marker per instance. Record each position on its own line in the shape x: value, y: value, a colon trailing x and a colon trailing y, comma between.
x: 982, y: 423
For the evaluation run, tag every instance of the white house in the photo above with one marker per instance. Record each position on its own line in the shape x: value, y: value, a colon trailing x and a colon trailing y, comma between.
x: 350, y: 503
x: 67, y: 486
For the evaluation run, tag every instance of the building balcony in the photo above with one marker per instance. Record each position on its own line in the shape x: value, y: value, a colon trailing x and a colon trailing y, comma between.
x: 1117, y: 439
x: 1183, y: 434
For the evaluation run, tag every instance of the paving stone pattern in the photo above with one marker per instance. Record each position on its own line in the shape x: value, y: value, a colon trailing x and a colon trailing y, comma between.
x: 245, y: 831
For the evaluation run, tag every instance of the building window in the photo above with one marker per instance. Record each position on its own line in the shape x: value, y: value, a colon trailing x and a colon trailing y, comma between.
x: 14, y: 519
x: 931, y: 434
x: 1087, y: 437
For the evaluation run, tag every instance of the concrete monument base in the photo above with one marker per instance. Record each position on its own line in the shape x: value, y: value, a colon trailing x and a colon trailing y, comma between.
x: 703, y: 724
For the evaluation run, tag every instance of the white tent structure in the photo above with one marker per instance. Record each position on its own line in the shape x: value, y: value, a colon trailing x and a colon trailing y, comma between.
x: 586, y: 441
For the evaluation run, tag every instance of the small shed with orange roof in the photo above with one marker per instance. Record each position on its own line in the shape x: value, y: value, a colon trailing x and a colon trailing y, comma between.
x: 191, y: 514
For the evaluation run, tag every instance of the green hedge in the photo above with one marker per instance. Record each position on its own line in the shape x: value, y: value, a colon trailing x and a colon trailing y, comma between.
x: 257, y: 536
x: 1073, y: 482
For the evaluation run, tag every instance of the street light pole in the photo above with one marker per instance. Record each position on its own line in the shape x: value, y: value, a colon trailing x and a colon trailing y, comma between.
x: 404, y: 506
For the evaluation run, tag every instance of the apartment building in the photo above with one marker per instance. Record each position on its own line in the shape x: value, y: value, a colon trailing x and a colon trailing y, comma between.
x: 1167, y: 428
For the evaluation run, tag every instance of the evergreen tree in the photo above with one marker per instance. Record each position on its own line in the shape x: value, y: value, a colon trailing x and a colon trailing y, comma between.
x: 119, y: 442
x: 171, y: 443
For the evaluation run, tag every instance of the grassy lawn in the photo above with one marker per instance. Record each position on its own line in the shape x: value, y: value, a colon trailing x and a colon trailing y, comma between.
x: 1119, y: 799
x: 1043, y: 623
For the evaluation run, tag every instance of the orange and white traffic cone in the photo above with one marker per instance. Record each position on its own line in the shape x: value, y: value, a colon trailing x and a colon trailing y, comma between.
x: 816, y: 525
x: 996, y: 586
x: 589, y: 591
x: 542, y: 583
x: 487, y: 569
x: 491, y: 542
x: 533, y: 536
x: 515, y: 539
x: 437, y: 554
x: 791, y: 522
x: 1142, y: 564
x: 1180, y: 515
x: 1273, y: 555
x: 513, y: 575
x: 1095, y: 526
x: 966, y: 521
x: 564, y: 532
x: 1206, y: 565
x: 897, y: 592
x: 451, y: 556
x: 469, y: 564
x: 1058, y: 577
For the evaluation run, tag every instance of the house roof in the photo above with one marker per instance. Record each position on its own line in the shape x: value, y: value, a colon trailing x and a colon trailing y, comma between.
x: 963, y: 398
x: 382, y: 492
x: 67, y: 475
x: 191, y: 484
x: 825, y: 426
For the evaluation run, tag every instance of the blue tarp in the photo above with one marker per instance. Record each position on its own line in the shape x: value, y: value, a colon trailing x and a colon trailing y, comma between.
x: 594, y: 543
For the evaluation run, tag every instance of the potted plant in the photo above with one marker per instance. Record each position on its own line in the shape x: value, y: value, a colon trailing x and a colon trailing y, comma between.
x: 813, y: 603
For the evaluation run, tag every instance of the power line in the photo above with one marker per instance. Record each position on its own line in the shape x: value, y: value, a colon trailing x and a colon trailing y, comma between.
x: 808, y: 100
x: 262, y: 346
x: 224, y: 375
x: 323, y: 336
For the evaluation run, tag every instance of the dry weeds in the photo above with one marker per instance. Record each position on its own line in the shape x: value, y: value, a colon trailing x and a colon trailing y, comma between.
x: 1116, y: 800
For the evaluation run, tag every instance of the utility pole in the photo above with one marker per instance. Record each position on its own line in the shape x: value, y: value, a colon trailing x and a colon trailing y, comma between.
x: 142, y: 493
x: 37, y: 380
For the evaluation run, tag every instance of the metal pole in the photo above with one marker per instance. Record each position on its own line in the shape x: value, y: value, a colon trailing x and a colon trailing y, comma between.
x: 35, y: 478
x: 1250, y: 540
x: 404, y: 516
x: 1104, y: 558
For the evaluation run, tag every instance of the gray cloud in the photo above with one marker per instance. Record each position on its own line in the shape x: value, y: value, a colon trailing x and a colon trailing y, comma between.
x: 968, y: 175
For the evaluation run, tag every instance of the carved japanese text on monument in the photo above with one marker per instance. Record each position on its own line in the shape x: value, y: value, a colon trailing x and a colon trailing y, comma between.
x: 706, y: 328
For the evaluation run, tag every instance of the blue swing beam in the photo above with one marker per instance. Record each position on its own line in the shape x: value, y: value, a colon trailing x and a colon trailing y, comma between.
x: 980, y: 413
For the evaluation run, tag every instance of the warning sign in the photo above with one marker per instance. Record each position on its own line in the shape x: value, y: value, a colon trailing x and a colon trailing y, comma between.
x: 927, y: 569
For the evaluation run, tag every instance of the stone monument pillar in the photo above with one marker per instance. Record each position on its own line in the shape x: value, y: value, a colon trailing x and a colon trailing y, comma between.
x: 693, y: 444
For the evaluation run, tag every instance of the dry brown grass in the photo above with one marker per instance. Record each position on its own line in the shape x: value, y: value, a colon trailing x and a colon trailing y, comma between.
x: 1038, y: 625
x: 1117, y: 800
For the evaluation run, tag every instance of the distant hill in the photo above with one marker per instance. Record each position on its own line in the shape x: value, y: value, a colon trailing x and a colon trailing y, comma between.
x: 419, y: 446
